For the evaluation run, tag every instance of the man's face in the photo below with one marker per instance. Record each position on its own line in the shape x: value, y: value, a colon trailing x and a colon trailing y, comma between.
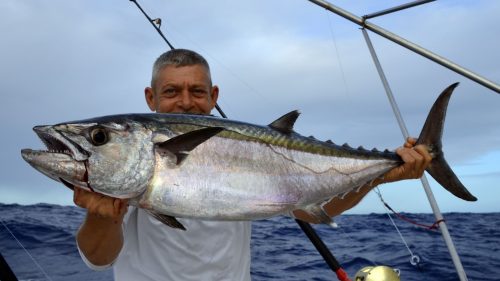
x: 185, y: 89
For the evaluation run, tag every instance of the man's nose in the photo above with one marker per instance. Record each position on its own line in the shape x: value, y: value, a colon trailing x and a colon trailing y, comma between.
x: 186, y: 101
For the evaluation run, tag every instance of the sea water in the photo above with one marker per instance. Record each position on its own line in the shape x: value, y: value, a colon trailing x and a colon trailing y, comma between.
x: 38, y: 242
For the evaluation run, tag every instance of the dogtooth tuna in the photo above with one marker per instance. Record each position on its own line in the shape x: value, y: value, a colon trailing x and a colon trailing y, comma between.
x: 205, y: 167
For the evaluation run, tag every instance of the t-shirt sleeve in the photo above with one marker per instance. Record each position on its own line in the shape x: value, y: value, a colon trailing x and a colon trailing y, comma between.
x: 91, y: 265
x: 106, y: 266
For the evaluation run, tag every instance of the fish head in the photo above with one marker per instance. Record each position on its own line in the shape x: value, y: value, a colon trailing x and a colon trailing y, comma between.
x: 110, y: 155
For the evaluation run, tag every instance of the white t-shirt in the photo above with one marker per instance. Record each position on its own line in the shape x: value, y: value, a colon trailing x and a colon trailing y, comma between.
x: 207, y: 250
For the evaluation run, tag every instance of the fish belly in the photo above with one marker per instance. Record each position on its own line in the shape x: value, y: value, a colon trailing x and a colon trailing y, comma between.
x: 226, y: 179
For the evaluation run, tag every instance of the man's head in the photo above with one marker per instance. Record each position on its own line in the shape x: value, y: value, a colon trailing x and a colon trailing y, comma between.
x: 181, y: 83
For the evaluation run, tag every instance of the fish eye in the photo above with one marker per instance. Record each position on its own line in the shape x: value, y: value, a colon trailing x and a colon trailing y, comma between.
x: 98, y: 136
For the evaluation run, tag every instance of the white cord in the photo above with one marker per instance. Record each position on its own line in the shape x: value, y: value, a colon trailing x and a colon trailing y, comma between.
x: 31, y: 257
x: 414, y: 259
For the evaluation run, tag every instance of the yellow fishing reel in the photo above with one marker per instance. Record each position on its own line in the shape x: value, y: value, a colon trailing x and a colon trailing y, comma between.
x: 377, y: 273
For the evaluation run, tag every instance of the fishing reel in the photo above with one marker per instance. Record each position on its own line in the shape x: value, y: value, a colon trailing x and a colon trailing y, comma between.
x: 377, y: 273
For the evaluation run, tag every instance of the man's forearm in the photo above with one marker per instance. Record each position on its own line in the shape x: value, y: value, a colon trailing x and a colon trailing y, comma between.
x: 336, y: 206
x: 100, y: 239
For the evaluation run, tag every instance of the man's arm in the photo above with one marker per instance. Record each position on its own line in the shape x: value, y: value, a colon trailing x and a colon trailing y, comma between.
x: 415, y: 158
x: 100, y: 237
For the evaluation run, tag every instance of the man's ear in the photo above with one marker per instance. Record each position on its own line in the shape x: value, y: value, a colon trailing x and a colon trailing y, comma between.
x: 214, y: 95
x: 150, y: 98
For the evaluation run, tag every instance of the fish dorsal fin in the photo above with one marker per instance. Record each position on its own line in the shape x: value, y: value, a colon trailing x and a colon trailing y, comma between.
x: 181, y: 145
x: 285, y: 123
x: 167, y: 220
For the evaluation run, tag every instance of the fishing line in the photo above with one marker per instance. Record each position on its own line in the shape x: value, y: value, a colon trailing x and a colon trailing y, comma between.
x: 157, y: 24
x: 26, y: 251
x: 414, y: 259
x: 306, y: 227
x: 434, y: 226
x: 330, y: 25
x: 219, y: 63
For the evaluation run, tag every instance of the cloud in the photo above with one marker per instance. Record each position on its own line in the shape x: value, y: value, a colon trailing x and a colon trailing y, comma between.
x: 65, y: 61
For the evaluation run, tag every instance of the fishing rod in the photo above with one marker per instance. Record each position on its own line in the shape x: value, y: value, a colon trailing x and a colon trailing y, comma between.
x: 156, y: 23
x: 320, y: 246
x: 6, y: 273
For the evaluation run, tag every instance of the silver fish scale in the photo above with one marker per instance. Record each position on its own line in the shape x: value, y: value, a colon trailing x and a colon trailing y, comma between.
x: 182, y: 123
x: 245, y: 180
x: 243, y: 172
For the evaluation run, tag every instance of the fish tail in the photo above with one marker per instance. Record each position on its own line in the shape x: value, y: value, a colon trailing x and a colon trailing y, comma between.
x: 431, y: 137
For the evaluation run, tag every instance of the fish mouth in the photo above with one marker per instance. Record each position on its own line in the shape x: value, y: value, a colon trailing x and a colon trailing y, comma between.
x: 56, y: 142
x: 63, y: 160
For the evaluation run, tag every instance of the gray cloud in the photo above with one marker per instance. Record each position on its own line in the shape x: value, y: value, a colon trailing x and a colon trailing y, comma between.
x: 64, y: 61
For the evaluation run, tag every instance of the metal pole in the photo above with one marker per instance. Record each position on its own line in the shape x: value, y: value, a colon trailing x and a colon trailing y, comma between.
x: 397, y: 8
x: 409, y: 45
x: 430, y: 196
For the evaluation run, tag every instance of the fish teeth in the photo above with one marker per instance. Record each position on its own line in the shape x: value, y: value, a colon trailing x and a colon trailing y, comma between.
x: 65, y: 151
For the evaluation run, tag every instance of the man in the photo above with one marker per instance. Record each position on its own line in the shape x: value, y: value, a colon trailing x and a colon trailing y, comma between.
x: 141, y: 248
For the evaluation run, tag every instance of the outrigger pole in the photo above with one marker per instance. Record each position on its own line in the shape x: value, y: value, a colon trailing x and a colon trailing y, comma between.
x: 362, y: 21
x: 407, y: 44
x: 330, y: 260
x: 425, y: 183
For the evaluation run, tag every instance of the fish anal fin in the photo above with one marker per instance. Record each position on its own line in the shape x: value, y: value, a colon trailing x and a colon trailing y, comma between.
x: 285, y: 123
x: 167, y: 220
x: 314, y: 214
x: 181, y: 145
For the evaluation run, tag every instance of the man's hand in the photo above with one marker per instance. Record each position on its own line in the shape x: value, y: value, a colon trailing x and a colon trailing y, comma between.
x: 415, y: 158
x: 100, y: 206
x: 100, y: 237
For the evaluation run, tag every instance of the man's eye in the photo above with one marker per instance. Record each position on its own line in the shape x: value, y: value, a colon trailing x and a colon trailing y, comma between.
x: 169, y: 92
x: 199, y: 92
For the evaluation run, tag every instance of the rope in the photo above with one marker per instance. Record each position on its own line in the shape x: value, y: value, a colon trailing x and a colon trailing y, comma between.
x: 434, y: 226
x: 26, y: 251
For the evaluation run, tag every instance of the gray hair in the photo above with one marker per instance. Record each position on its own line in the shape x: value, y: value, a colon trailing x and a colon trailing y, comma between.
x: 177, y: 58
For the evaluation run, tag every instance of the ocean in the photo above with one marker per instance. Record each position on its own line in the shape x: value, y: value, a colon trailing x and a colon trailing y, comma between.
x: 280, y: 250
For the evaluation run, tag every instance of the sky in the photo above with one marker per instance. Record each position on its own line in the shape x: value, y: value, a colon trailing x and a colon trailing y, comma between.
x: 69, y: 60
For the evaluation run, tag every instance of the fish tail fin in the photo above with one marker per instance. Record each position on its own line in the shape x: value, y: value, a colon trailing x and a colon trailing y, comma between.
x: 431, y: 136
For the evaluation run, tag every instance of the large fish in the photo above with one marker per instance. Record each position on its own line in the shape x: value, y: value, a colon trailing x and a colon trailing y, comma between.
x: 203, y: 167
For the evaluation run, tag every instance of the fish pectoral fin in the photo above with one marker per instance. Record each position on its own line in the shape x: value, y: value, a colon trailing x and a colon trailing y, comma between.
x: 167, y: 220
x: 285, y: 123
x: 181, y: 145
